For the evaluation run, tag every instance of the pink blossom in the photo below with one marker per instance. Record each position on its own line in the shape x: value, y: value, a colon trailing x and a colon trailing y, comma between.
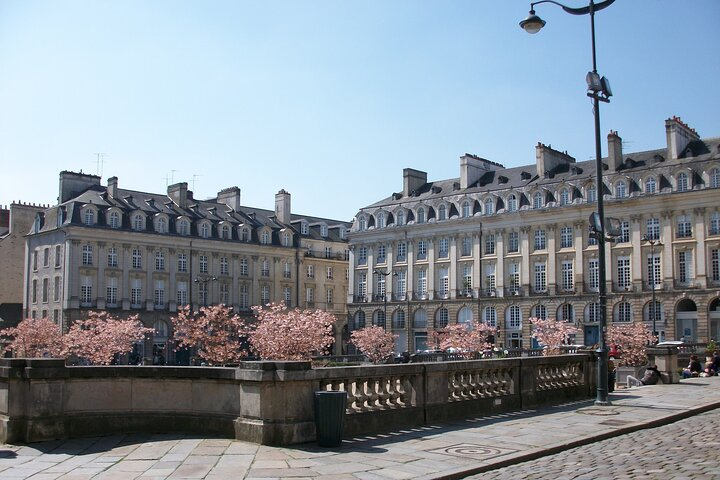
x: 551, y: 334
x: 466, y: 338
x: 374, y: 342
x: 34, y: 338
x: 632, y: 340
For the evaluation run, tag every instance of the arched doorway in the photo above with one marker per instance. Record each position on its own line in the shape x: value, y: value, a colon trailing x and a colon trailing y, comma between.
x: 686, y: 321
x: 714, y: 316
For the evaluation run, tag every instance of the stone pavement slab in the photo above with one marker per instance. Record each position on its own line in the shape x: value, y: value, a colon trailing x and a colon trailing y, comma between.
x: 452, y: 450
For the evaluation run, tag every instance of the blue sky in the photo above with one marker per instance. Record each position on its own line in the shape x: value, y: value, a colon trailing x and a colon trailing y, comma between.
x: 330, y: 100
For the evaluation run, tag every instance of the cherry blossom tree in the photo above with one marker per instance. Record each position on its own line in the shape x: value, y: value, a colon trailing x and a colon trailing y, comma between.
x: 101, y: 336
x: 466, y: 338
x: 374, y: 342
x: 285, y: 334
x: 34, y: 338
x: 632, y: 340
x: 551, y: 334
x: 217, y: 334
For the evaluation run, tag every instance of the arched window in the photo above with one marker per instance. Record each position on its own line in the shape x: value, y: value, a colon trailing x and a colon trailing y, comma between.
x: 566, y: 313
x: 379, y: 319
x: 650, y: 185
x: 512, y: 203
x: 184, y: 227
x: 380, y: 220
x: 401, y: 218
x: 89, y: 216
x: 441, y: 318
x: 591, y: 193
x: 620, y: 189
x: 359, y: 322
x: 715, y: 178
x: 362, y: 223
x: 161, y: 331
x: 489, y: 206
x: 623, y: 312
x: 161, y: 225
x: 245, y: 234
x: 592, y: 313
x: 465, y: 317
x: 539, y: 311
x: 265, y: 237
x: 286, y: 240
x: 682, y: 182
x: 114, y: 220
x: 138, y: 222
x: 513, y: 320
x: 398, y: 321
x: 714, y: 224
x: 421, y: 215
x: 538, y: 200
x: 564, y: 196
x: 490, y: 316
x: 205, y: 230
x: 466, y: 209
x: 420, y: 319
x: 442, y: 212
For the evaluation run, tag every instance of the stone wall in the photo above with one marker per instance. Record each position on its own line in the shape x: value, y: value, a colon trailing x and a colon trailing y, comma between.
x: 272, y: 402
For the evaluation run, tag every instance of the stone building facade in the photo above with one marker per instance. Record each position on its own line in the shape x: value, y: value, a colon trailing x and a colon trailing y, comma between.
x: 504, y: 244
x: 15, y: 222
x: 131, y: 252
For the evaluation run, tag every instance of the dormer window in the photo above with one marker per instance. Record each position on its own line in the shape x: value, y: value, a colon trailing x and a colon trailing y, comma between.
x: 538, y: 200
x: 183, y: 227
x: 401, y: 218
x: 323, y: 230
x: 225, y: 232
x: 564, y: 196
x: 286, y: 239
x: 265, y: 237
x: 89, y: 217
x: 421, y: 215
x: 489, y: 206
x: 114, y: 220
x: 161, y: 225
x: 362, y: 223
x: 620, y: 189
x: 466, y: 209
x: 715, y: 178
x: 682, y: 182
x: 205, y: 230
x: 442, y: 212
x: 380, y: 220
x: 304, y: 228
x: 343, y: 233
x: 138, y: 222
x: 512, y: 203
x: 245, y: 234
x: 650, y: 185
x: 591, y: 193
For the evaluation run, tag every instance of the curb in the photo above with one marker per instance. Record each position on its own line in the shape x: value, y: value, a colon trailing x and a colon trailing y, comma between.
x: 534, y: 455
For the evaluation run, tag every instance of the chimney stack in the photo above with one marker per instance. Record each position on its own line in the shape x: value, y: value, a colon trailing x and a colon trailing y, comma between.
x: 679, y: 134
x: 73, y: 184
x: 178, y: 193
x: 112, y: 187
x: 547, y: 159
x: 615, y: 154
x: 413, y: 180
x: 282, y: 207
x: 230, y: 197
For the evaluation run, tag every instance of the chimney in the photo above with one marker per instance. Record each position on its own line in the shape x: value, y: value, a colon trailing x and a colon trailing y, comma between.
x: 112, y: 187
x: 282, y: 207
x: 615, y: 155
x: 548, y: 159
x: 679, y: 134
x: 230, y: 197
x: 73, y: 184
x: 178, y: 193
x: 471, y: 169
x: 413, y: 180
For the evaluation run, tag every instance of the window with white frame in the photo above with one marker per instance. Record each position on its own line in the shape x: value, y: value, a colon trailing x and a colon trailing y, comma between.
x: 224, y: 293
x: 650, y: 185
x: 591, y: 193
x: 593, y: 275
x: 310, y: 295
x: 489, y: 317
x: 443, y: 282
x: 715, y: 264
x: 114, y: 220
x: 441, y: 318
x: 182, y: 294
x: 305, y: 228
x: 203, y: 293
x: 538, y: 200
x: 539, y: 311
x: 287, y: 295
x: 323, y: 230
x: 566, y: 312
x: 715, y: 178
x: 401, y: 283
x: 514, y: 321
x: 86, y: 291
x: 489, y: 206
x: 401, y: 254
x: 623, y: 272
x: 136, y: 293
x: 205, y: 230
x: 362, y: 256
x: 203, y: 264
x: 182, y: 264
x: 490, y: 244
x: 265, y: 268
x: 265, y: 294
x: 159, y: 260
x: 593, y: 313
x: 540, y: 239
x: 421, y: 215
x: 310, y: 271
x: 714, y: 228
x: 490, y: 279
x: 381, y: 220
x: 287, y: 272
x: 328, y: 252
x: 684, y: 264
x: 89, y: 218
x: 136, y: 258
x: 652, y: 228
x: 465, y: 209
x: 442, y: 212
x: 286, y: 240
x: 568, y: 278
x: 422, y: 283
x: 161, y: 225
x: 381, y: 254
x: 624, y: 232
x: 87, y: 255
x: 540, y: 277
x: 111, y: 292
x: 653, y: 270
x: 444, y: 248
x: 566, y: 237
x: 224, y: 266
x: 244, y: 267
x: 620, y: 189
x: 624, y: 312
x: 265, y: 237
x: 564, y: 196
x: 243, y: 297
x: 225, y: 232
x: 359, y: 320
x: 512, y: 203
x: 684, y: 226
x: 245, y: 234
x: 467, y: 279
x: 422, y: 249
x: 362, y: 284
x: 159, y: 294
x: 513, y: 242
x: 329, y: 273
x: 400, y: 218
x: 183, y: 227
x: 514, y: 277
x: 138, y: 222
x: 466, y: 246
x: 329, y: 297
x: 398, y: 321
x: 682, y: 182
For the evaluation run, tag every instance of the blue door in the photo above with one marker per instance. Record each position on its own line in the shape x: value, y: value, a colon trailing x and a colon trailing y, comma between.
x: 592, y: 335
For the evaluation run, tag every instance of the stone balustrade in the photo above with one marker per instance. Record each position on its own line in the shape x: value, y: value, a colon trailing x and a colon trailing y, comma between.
x: 272, y: 402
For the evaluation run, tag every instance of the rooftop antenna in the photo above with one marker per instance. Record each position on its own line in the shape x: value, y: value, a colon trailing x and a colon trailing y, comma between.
x: 170, y: 178
x: 195, y: 175
x: 99, y: 163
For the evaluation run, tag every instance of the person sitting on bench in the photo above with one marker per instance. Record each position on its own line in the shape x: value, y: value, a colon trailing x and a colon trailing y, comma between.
x: 651, y: 377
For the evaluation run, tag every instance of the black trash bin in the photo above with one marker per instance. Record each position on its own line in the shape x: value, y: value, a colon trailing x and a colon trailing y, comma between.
x: 330, y: 417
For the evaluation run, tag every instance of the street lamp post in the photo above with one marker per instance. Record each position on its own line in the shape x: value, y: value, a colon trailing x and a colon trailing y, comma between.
x: 204, y: 280
x: 653, y: 242
x: 385, y: 274
x: 599, y: 91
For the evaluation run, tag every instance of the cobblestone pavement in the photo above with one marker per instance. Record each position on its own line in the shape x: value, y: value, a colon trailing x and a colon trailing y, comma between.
x: 687, y: 449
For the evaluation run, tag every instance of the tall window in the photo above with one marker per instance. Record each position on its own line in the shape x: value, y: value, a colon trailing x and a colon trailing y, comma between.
x: 421, y: 215
x: 203, y: 264
x: 591, y: 194
x: 58, y: 255
x: 441, y: 318
x: 401, y: 283
x: 653, y: 264
x: 566, y: 312
x: 489, y: 206
x: 224, y: 293
x: 714, y: 224
x: 244, y: 267
x: 444, y: 248
x: 87, y: 255
x: 400, y: 218
x: 362, y: 256
x: 682, y: 182
x: 183, y: 227
x: 684, y: 265
x: 715, y: 178
x: 381, y: 220
x: 136, y: 258
x: 56, y: 289
x: 624, y: 312
x: 466, y: 209
x: 620, y: 189
x: 442, y: 212
x: 490, y: 244
x: 398, y: 322
x: 623, y: 272
x: 568, y: 279
x: 138, y: 222
x: 112, y: 257
x: 305, y: 228
x: 329, y: 273
x: 684, y: 226
x: 652, y: 228
x: 380, y: 286
x: 444, y: 282
x: 566, y: 237
x: 650, y: 185
x: 381, y: 254
x: 265, y: 268
x: 362, y: 284
x: 310, y: 271
x: 182, y: 294
x: 159, y: 294
x: 182, y: 262
x: 203, y: 293
x: 310, y: 295
x: 89, y: 217
x: 224, y: 268
x: 287, y: 272
x: 538, y: 200
x: 467, y: 279
x: 286, y: 239
x: 490, y: 279
x: 593, y: 313
x: 204, y: 230
x: 564, y: 196
x: 265, y: 294
x: 265, y: 237
x: 540, y: 239
x: 245, y: 234
x: 401, y: 255
x: 243, y: 297
x: 540, y: 277
x: 466, y: 247
x: 45, y: 289
x: 136, y: 293
x: 512, y: 203
x: 513, y: 242
x: 114, y: 220
x: 46, y: 257
x: 624, y: 232
x: 159, y: 260
x: 86, y: 291
x: 593, y: 275
x: 161, y: 225
x: 422, y: 282
x: 489, y: 316
x: 715, y: 264
x: 287, y: 296
x: 539, y: 311
x: 422, y: 250
x: 225, y: 232
x: 514, y: 322
x: 514, y: 277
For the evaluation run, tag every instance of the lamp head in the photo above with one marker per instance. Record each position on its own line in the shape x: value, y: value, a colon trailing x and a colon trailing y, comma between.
x: 533, y: 23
